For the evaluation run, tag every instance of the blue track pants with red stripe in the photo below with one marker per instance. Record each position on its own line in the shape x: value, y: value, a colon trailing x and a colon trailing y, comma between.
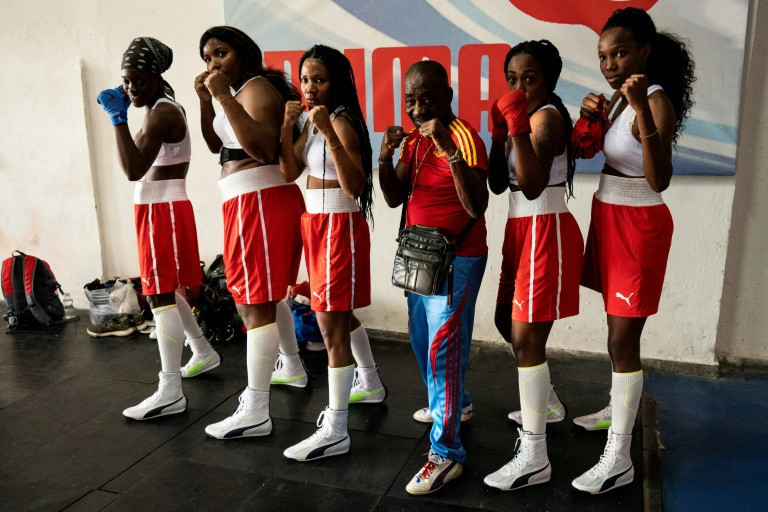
x: 441, y: 334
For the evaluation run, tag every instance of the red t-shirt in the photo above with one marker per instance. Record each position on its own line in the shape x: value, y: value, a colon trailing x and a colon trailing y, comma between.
x: 434, y: 201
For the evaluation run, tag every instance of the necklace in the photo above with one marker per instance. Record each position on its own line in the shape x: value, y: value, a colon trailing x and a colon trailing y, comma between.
x: 419, y: 164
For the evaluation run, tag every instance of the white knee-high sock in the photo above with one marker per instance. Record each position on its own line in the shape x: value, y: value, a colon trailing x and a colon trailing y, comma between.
x: 262, y: 344
x: 191, y: 329
x: 361, y: 348
x: 534, y: 387
x: 288, y: 344
x: 626, y: 389
x: 340, y: 386
x: 170, y: 337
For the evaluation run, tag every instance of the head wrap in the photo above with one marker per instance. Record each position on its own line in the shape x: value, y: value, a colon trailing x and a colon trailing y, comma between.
x: 148, y: 54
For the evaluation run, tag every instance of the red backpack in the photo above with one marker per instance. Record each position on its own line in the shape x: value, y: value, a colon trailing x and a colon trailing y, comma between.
x: 30, y: 291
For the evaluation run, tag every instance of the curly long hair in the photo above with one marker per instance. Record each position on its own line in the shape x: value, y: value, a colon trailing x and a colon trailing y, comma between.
x: 669, y: 65
x: 251, y: 59
x: 548, y: 57
x: 344, y: 94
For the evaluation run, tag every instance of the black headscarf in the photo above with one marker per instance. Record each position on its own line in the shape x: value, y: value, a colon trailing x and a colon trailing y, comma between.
x: 150, y: 55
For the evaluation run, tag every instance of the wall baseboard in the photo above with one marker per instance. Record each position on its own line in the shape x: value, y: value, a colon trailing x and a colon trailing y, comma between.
x: 746, y: 364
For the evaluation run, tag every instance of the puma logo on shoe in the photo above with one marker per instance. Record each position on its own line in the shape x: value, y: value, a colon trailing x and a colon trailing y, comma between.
x: 528, y: 479
x: 320, y: 450
x: 319, y: 296
x: 625, y: 299
x: 237, y: 289
x: 238, y: 432
x: 518, y: 304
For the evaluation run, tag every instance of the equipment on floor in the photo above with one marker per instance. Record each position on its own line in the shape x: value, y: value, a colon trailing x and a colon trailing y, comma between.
x: 304, y: 319
x: 31, y: 292
x: 216, y: 313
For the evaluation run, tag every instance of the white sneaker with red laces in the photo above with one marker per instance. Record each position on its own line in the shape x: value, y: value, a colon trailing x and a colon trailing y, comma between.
x: 437, y: 472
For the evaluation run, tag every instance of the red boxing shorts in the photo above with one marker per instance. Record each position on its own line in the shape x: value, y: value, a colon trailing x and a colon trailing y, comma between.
x: 541, y: 258
x: 337, y: 249
x: 627, y: 246
x: 166, y: 236
x: 262, y: 234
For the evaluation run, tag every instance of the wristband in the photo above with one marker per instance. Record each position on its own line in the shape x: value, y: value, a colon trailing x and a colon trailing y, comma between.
x: 457, y: 157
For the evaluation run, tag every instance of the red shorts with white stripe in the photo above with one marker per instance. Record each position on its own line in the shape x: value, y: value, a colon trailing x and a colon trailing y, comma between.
x: 262, y: 234
x: 627, y: 246
x: 337, y: 248
x: 166, y: 236
x: 541, y: 259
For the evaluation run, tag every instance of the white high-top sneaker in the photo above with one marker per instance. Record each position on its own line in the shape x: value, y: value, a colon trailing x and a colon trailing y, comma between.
x: 556, y: 410
x: 204, y: 358
x: 530, y: 466
x: 289, y: 371
x: 331, y: 438
x: 614, y: 469
x: 251, y: 418
x: 437, y: 472
x: 367, y: 387
x: 600, y: 420
x: 423, y: 415
x: 168, y: 399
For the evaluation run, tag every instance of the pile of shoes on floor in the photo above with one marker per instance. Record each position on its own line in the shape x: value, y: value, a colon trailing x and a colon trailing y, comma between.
x: 116, y: 308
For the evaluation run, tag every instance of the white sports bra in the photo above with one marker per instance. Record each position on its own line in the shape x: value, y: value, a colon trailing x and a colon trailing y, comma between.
x: 622, y: 150
x: 174, y: 152
x: 221, y: 124
x: 557, y: 173
x: 316, y: 151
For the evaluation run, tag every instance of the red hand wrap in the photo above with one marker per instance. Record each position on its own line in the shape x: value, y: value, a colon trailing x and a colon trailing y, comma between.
x: 514, y: 106
x: 499, y: 132
x: 587, y: 135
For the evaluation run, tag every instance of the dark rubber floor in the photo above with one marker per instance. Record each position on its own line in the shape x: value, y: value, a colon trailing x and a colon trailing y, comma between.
x: 66, y: 446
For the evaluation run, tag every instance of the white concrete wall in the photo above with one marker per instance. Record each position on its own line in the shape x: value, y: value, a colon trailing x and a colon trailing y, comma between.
x: 743, y: 317
x: 58, y: 166
x: 66, y: 198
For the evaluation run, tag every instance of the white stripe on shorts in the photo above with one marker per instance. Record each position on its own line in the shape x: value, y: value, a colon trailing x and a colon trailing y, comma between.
x: 533, y: 260
x: 152, y: 247
x: 352, y: 245
x: 266, y: 245
x: 559, y: 266
x: 328, y: 264
x: 173, y: 239
x: 242, y: 247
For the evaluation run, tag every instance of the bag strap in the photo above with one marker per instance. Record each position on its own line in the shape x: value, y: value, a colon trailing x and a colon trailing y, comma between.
x: 407, y: 192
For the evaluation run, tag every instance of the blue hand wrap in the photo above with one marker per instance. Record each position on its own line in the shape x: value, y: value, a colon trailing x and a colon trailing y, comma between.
x: 115, y: 103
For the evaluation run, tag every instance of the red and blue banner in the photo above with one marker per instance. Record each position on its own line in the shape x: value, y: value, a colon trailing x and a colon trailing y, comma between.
x: 471, y: 37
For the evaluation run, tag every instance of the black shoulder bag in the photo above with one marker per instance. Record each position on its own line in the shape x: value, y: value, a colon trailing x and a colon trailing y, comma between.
x: 424, y: 254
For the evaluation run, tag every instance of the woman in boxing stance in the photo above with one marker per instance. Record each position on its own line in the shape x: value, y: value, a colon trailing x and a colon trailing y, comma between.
x: 631, y: 229
x: 335, y: 148
x: 542, y: 255
x: 262, y: 238
x: 157, y: 159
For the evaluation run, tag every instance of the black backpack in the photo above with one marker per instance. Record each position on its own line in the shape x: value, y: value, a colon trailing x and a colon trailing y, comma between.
x: 30, y: 291
x: 216, y: 312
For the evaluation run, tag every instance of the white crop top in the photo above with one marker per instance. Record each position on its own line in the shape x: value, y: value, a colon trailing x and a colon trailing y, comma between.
x: 316, y: 150
x: 174, y: 152
x: 222, y: 127
x: 557, y: 173
x: 622, y: 150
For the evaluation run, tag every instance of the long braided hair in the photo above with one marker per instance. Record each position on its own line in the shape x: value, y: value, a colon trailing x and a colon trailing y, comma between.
x: 251, y: 59
x: 669, y: 65
x: 548, y: 57
x: 344, y: 94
